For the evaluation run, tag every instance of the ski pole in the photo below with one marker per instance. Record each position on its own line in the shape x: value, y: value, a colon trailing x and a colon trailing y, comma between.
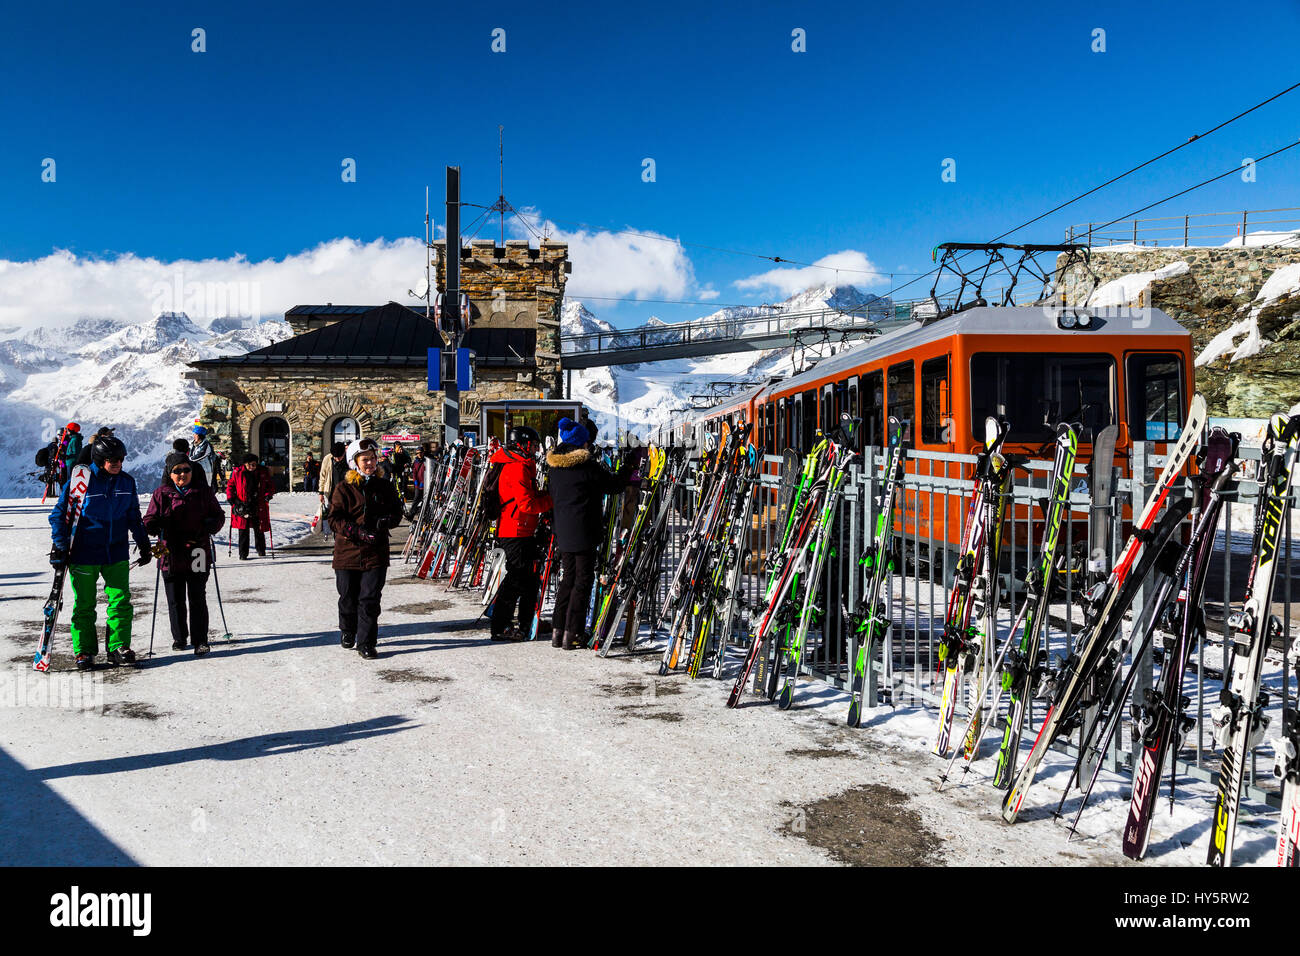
x: 228, y: 540
x: 153, y: 623
x: 217, y: 581
x: 271, y: 532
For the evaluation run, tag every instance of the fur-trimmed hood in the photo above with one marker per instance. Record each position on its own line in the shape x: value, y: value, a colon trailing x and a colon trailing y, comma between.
x: 566, y: 456
x: 354, y: 477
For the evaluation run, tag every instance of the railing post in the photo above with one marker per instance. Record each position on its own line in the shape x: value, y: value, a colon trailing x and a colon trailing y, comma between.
x: 1187, y: 221
x: 1135, y: 232
x: 1243, y: 228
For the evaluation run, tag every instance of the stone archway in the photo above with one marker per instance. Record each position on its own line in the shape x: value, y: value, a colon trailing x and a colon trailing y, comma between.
x: 330, y: 411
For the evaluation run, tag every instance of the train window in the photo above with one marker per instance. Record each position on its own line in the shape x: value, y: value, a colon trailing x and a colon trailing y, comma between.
x: 808, y: 425
x: 851, y: 397
x: 769, y: 433
x: 782, y: 428
x: 796, y: 424
x: 1155, y: 396
x: 828, y: 410
x: 873, y: 409
x: 901, y: 394
x: 1034, y: 392
x: 936, y: 409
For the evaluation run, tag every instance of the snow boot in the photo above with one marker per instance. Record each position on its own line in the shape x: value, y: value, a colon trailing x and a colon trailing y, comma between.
x: 85, y: 662
x: 179, y: 645
x: 347, y: 640
x: 124, y: 657
x: 573, y: 642
x: 557, y: 638
x: 367, y: 651
x: 201, y: 649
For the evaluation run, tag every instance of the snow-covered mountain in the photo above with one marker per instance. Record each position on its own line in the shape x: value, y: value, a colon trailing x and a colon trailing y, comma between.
x: 639, y: 398
x: 103, y: 372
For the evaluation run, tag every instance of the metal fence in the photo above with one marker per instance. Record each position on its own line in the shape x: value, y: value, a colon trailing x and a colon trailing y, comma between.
x: 1270, y: 227
x: 906, y: 669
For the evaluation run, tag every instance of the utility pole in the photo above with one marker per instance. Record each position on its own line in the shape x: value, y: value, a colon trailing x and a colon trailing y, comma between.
x: 451, y: 310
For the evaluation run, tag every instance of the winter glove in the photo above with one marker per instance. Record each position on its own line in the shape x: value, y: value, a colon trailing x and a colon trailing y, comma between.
x: 58, y: 558
x: 359, y: 535
x: 387, y: 523
x: 146, y: 555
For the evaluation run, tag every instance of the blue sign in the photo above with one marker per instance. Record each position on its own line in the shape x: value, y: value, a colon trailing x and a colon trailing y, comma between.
x: 440, y: 365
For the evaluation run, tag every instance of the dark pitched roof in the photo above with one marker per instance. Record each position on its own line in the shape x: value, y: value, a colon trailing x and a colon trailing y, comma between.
x: 329, y: 309
x: 391, y: 334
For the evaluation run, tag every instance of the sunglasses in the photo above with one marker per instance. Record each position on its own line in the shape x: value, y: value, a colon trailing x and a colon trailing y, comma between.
x: 181, y: 471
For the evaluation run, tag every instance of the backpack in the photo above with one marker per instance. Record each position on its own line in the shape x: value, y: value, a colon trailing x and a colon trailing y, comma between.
x: 43, y: 457
x: 490, y: 501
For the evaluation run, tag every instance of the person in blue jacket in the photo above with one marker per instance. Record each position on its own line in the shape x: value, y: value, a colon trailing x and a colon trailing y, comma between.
x: 110, y: 512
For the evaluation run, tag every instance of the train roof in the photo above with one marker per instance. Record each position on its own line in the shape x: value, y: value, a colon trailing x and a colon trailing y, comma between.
x: 989, y: 320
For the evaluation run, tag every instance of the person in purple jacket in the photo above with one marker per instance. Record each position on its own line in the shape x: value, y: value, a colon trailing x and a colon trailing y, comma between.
x: 185, y: 515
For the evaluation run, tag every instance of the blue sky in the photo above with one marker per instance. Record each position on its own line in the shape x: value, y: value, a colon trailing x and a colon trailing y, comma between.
x: 173, y: 155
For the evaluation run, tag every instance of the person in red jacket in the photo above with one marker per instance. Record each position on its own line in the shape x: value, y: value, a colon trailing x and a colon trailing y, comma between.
x: 521, y: 507
x: 249, y: 493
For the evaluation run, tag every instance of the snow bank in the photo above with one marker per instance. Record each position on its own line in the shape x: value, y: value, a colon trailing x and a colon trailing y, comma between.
x: 1125, y: 289
x: 1285, y: 281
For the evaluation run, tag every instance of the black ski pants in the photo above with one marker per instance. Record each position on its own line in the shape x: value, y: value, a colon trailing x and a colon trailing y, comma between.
x: 359, y: 594
x: 573, y: 593
x: 259, y: 536
x: 519, y: 586
x: 187, y: 591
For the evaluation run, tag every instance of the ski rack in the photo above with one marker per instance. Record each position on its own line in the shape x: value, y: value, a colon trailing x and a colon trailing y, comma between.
x: 975, y: 275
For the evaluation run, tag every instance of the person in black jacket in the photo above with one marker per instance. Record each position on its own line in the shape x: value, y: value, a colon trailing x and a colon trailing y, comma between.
x: 578, y: 482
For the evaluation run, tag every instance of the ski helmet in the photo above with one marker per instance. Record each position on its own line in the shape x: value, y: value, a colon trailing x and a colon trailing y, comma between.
x: 522, y: 436
x: 73, y: 427
x: 107, y: 448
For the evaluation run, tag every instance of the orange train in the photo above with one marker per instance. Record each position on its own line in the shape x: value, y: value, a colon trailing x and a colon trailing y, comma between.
x: 1028, y: 366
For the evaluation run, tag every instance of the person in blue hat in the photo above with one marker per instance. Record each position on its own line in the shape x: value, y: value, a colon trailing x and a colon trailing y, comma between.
x: 578, y: 482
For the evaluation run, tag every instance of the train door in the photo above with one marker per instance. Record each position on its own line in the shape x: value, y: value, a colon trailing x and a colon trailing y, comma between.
x: 900, y: 393
x: 808, y: 423
x: 871, y: 395
x: 936, y: 402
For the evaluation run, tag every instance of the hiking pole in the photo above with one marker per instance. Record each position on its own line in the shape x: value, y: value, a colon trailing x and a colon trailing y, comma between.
x: 153, y: 623
x: 228, y: 534
x: 217, y: 581
x: 271, y: 532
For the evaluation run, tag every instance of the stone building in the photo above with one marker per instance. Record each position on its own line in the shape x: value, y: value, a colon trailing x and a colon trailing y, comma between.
x: 363, y: 370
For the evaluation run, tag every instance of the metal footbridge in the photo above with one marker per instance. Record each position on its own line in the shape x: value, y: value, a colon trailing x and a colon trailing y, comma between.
x: 722, y: 336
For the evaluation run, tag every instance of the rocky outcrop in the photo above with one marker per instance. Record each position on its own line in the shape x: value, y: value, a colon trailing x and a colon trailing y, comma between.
x: 1220, y: 290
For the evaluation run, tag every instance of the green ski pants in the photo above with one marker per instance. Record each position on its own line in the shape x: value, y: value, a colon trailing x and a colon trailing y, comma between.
x: 85, y: 587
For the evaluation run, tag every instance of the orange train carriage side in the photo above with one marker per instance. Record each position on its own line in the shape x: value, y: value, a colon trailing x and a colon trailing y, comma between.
x: 1030, y: 366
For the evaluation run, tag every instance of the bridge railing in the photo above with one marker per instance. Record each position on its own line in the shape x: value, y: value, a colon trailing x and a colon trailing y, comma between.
x: 773, y: 325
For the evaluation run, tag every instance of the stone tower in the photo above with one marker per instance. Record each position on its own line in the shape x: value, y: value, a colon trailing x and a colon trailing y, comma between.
x: 518, y: 289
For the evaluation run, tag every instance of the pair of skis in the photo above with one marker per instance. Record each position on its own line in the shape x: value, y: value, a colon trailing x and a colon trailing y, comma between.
x: 869, y: 622
x: 1239, y: 720
x: 963, y: 645
x: 78, y: 483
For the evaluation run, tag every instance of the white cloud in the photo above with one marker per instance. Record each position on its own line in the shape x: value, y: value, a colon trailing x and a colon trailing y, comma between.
x: 616, y: 264
x: 851, y: 263
x: 708, y: 294
x: 63, y: 287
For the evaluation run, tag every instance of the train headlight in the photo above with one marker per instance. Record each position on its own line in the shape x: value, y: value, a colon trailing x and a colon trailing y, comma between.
x: 1084, y: 320
x: 1067, y: 320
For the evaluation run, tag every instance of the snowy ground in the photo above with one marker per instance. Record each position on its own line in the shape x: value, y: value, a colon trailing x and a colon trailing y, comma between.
x: 281, y: 748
